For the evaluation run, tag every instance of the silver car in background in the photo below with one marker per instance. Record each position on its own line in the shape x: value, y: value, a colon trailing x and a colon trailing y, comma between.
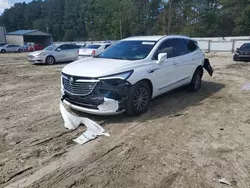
x: 11, y: 48
x: 55, y: 53
x: 93, y: 49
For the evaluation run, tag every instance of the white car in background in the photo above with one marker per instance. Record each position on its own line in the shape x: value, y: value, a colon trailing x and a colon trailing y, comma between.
x: 93, y: 49
x: 131, y: 72
x: 11, y: 48
x: 55, y: 53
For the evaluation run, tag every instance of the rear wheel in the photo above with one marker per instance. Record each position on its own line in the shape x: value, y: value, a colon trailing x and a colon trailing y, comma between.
x: 3, y: 51
x: 50, y: 60
x: 20, y: 51
x: 195, y: 84
x: 139, y: 99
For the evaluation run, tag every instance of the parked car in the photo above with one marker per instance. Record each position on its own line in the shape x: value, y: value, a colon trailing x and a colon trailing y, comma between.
x: 11, y: 48
x: 242, y: 53
x: 55, y: 53
x: 130, y: 73
x: 93, y: 49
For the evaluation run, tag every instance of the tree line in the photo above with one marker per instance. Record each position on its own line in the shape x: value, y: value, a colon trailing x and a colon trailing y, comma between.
x: 113, y: 19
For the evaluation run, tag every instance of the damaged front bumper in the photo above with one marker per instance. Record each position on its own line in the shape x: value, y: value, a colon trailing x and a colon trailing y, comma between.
x: 107, y: 98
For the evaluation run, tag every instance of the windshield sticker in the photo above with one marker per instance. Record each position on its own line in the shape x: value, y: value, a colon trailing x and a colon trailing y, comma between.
x: 148, y: 43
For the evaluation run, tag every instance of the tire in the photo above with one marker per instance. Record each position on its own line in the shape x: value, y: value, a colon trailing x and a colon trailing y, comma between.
x: 138, y: 99
x: 195, y: 84
x: 20, y: 51
x: 235, y: 58
x: 3, y: 51
x: 50, y: 60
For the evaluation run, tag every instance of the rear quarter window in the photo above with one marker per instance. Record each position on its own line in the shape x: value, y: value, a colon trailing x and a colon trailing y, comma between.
x: 192, y: 46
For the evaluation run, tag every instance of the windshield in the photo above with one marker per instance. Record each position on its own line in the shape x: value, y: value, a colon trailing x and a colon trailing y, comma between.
x: 129, y: 50
x: 93, y: 46
x: 245, y: 46
x: 51, y: 47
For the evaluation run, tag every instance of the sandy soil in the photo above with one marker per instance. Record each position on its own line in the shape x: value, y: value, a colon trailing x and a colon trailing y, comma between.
x: 185, y: 140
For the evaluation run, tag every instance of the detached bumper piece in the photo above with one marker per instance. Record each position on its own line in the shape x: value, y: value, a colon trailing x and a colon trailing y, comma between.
x: 107, y: 98
x: 207, y: 66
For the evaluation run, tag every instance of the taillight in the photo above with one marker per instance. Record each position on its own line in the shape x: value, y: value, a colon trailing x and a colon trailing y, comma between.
x: 93, y: 52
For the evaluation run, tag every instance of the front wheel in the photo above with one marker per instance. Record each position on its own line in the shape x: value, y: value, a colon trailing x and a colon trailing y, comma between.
x: 139, y: 99
x: 50, y: 60
x: 3, y: 51
x: 20, y: 51
x: 235, y: 58
x: 195, y: 84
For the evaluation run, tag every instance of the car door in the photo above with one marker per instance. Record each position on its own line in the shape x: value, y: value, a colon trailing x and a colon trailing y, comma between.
x: 72, y: 51
x: 61, y: 53
x: 10, y: 48
x: 188, y: 58
x: 165, y: 73
x: 183, y: 62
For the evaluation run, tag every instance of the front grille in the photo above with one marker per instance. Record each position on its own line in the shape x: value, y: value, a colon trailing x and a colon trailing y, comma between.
x: 74, y: 87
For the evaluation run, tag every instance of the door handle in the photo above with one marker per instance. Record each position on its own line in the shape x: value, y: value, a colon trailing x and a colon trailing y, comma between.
x: 193, y: 59
x: 174, y: 63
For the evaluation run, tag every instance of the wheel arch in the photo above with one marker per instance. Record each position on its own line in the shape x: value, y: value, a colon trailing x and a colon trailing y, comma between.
x: 199, y: 68
x: 149, y: 83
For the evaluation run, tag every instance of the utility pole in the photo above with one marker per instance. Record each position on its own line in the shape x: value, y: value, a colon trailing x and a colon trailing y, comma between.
x: 121, y: 29
x: 169, y: 16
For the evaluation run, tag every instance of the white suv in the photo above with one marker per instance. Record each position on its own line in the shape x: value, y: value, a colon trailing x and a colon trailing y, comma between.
x: 128, y: 74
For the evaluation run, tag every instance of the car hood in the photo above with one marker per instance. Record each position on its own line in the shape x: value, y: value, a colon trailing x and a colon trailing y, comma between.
x: 98, y: 67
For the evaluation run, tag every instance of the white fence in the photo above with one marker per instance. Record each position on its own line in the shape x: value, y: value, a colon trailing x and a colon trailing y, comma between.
x: 221, y: 46
x: 213, y: 44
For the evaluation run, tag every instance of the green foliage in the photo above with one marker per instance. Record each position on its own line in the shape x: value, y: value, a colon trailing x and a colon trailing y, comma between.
x: 70, y: 35
x: 102, y: 19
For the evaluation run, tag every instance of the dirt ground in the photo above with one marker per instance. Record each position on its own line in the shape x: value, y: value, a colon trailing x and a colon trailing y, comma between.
x: 186, y: 140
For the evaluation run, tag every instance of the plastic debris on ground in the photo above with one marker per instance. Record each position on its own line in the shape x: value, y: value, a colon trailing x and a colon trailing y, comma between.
x: 246, y: 87
x: 223, y: 181
x: 71, y: 122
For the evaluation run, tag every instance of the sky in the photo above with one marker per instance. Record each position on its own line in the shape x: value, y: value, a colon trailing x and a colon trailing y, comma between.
x: 8, y: 3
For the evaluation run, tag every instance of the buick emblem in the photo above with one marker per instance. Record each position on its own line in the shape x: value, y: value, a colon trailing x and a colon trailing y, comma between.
x: 71, y: 80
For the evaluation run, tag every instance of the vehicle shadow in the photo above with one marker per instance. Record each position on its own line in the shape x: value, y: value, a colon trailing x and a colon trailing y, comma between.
x: 169, y: 104
x: 57, y: 63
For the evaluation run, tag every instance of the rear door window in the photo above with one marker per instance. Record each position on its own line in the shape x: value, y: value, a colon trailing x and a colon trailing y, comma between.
x: 181, y: 47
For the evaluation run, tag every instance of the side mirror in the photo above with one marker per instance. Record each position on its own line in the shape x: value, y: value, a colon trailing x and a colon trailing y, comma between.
x: 58, y: 49
x: 161, y: 57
